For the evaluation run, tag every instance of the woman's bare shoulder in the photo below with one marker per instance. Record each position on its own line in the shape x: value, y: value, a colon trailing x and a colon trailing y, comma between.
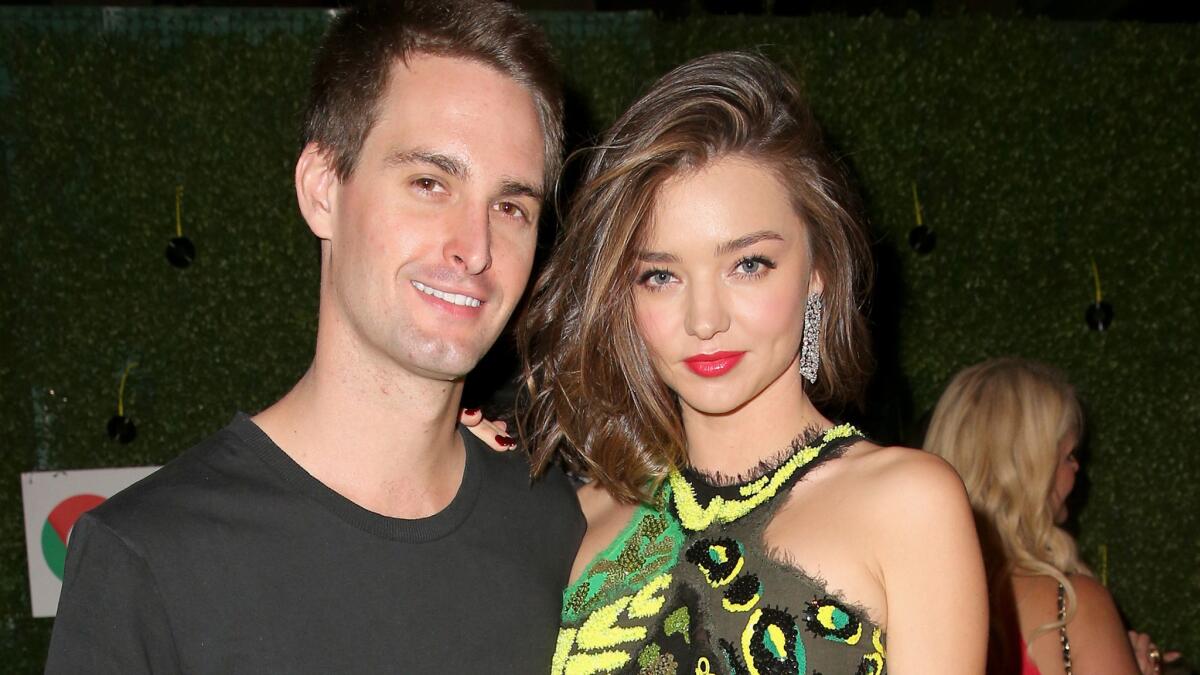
x: 897, y: 474
x: 1097, y: 609
x: 1099, y: 643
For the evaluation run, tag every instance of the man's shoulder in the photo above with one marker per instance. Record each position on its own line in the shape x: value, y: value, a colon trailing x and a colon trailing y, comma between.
x: 186, y: 489
x: 511, y: 469
x: 547, y: 497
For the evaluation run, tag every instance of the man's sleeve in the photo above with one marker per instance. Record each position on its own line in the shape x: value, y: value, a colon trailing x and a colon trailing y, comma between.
x: 110, y: 614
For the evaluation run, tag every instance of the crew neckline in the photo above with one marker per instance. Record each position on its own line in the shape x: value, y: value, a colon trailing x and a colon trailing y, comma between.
x: 413, y: 530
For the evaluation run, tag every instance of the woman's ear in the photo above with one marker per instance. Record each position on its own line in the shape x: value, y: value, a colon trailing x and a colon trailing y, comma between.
x: 316, y: 189
x: 815, y: 284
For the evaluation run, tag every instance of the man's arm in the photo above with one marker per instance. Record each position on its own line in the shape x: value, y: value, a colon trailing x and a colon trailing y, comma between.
x: 110, y: 615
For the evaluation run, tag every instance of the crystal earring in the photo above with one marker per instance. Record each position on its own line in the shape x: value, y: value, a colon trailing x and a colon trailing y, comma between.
x: 810, y: 351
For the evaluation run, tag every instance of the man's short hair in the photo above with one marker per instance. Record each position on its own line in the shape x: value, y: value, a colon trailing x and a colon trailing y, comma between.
x: 362, y: 43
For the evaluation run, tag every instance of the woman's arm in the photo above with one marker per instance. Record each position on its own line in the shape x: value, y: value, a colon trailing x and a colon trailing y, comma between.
x: 937, y: 608
x: 1099, y: 643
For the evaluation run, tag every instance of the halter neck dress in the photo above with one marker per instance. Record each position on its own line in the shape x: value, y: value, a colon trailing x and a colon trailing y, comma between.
x: 688, y: 587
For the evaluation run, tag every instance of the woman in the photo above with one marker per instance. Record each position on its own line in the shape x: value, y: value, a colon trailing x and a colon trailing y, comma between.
x: 1010, y: 427
x: 700, y: 310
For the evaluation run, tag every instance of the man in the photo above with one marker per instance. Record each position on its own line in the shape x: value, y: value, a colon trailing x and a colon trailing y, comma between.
x: 351, y: 527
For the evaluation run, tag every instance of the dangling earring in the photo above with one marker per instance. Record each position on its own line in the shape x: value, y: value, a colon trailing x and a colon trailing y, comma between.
x: 810, y: 351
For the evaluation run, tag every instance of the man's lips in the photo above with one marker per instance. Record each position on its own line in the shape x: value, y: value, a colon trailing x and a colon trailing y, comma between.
x: 714, y: 364
x: 459, y: 299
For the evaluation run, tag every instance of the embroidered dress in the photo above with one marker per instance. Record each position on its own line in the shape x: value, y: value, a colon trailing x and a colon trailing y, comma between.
x: 687, y: 588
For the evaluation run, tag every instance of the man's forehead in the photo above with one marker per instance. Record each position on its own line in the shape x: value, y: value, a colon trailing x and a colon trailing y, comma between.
x: 462, y: 116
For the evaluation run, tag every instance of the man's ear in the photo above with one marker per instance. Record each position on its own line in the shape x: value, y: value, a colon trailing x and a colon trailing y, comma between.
x: 316, y: 189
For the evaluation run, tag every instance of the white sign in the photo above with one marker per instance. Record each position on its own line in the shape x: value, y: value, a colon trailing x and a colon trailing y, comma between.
x: 54, y: 500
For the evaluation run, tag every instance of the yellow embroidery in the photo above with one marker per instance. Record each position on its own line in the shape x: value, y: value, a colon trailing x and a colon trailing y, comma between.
x: 876, y: 659
x: 827, y: 614
x: 562, y: 649
x: 588, y: 664
x: 578, y: 651
x: 647, y: 601
x: 695, y: 517
x: 741, y: 607
x: 601, y: 631
x: 753, y: 488
x: 747, y: 636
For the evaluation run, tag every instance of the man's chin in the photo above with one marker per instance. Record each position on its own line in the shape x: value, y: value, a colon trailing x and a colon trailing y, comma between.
x: 447, y: 365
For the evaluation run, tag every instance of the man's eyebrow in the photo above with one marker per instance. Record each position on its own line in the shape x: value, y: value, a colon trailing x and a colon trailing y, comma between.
x: 517, y: 188
x: 657, y: 257
x: 748, y: 240
x: 451, y: 165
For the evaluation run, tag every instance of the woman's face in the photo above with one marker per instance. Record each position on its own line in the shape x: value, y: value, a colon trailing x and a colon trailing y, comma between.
x: 1064, y: 476
x: 722, y: 283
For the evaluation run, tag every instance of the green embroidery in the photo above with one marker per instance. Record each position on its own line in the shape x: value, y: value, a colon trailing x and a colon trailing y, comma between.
x: 679, y: 621
x: 648, y: 546
x: 649, y: 655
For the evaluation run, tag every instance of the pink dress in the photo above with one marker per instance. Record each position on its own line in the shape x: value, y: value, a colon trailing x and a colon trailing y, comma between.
x: 1027, y: 665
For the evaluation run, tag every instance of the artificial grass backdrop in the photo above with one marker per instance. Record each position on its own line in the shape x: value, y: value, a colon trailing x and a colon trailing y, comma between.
x: 1035, y: 148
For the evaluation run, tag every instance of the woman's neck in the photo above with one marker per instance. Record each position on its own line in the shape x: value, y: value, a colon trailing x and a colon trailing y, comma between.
x: 733, y: 443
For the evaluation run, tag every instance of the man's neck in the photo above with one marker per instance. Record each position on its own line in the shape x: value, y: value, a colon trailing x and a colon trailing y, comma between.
x: 384, y: 439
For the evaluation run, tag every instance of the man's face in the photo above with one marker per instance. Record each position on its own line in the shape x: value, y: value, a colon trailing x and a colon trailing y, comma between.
x: 431, y: 239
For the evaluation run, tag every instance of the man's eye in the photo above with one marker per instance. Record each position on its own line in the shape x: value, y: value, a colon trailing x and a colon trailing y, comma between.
x: 512, y: 210
x: 426, y: 184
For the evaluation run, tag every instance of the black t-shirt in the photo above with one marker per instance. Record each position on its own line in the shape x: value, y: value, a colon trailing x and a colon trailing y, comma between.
x: 233, y: 559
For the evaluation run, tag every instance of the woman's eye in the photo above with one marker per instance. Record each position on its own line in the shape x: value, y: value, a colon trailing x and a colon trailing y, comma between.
x: 655, y: 278
x: 753, y: 266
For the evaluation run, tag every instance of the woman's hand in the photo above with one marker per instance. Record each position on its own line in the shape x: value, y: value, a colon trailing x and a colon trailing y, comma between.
x: 492, y: 432
x: 1149, y: 659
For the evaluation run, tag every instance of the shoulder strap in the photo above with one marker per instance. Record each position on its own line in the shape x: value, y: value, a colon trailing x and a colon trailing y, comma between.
x: 1062, y: 630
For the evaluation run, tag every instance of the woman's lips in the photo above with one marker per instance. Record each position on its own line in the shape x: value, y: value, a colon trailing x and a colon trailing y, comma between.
x: 715, y: 364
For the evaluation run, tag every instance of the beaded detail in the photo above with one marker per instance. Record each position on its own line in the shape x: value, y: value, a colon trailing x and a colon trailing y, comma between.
x: 687, y: 588
x: 1062, y: 630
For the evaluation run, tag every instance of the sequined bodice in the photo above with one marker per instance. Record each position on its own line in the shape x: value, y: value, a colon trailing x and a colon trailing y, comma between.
x: 687, y: 588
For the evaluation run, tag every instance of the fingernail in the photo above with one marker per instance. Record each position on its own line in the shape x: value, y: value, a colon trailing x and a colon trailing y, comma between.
x: 471, y: 411
x: 505, y: 441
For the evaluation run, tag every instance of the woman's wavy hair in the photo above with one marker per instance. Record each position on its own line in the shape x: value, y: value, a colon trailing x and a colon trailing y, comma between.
x: 590, y: 394
x: 1000, y: 423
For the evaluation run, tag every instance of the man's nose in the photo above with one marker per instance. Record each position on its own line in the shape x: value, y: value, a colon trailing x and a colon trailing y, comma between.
x: 468, y: 247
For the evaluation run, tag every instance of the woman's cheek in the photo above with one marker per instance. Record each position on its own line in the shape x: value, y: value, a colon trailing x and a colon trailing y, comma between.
x: 653, y: 322
x: 777, y: 311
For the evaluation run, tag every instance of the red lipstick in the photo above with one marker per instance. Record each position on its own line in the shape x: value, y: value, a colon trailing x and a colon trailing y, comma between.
x: 715, y: 364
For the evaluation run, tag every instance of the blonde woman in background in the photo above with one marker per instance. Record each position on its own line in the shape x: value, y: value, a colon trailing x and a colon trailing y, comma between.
x: 1010, y: 427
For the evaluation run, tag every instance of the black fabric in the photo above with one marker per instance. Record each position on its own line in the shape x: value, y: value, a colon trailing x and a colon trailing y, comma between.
x: 233, y: 559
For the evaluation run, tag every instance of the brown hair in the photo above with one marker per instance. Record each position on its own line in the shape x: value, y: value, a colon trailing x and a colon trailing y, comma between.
x: 358, y: 51
x: 590, y: 391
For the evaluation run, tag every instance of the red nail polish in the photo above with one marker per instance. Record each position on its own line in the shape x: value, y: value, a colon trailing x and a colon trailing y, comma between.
x: 471, y: 411
x: 505, y: 441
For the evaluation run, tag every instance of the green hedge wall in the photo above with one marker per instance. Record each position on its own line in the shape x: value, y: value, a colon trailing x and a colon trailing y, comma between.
x: 1036, y: 148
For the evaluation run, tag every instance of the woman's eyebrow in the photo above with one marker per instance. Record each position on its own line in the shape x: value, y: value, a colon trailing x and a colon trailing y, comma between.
x: 748, y: 240
x: 657, y: 257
